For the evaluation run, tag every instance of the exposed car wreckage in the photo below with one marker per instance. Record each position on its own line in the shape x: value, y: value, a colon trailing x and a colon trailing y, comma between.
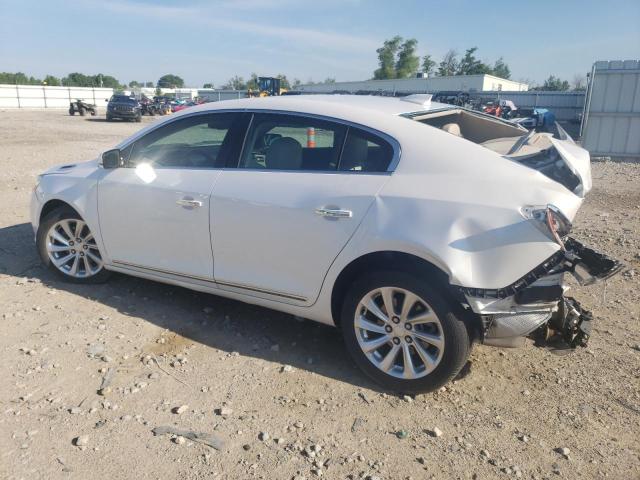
x: 536, y: 306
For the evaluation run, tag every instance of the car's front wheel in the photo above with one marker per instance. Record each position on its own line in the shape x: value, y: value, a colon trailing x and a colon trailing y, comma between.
x: 67, y: 246
x: 403, y: 333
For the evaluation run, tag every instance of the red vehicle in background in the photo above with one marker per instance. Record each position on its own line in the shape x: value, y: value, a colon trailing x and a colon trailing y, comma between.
x: 176, y: 107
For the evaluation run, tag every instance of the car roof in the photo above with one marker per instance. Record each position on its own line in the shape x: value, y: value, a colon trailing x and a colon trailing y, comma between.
x: 348, y: 107
x: 385, y: 114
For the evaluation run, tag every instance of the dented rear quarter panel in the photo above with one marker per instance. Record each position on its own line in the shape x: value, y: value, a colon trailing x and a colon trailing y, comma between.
x: 457, y: 205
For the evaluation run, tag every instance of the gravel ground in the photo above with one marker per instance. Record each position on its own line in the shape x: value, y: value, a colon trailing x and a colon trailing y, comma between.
x: 280, y: 392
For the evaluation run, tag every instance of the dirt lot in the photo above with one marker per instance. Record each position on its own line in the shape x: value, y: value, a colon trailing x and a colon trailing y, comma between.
x: 509, y: 418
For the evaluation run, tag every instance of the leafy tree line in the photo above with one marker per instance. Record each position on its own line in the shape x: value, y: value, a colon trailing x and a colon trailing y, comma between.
x: 398, y: 58
x: 77, y: 79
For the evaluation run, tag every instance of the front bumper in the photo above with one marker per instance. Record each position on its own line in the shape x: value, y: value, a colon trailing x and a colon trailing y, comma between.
x: 536, y: 302
x: 123, y: 113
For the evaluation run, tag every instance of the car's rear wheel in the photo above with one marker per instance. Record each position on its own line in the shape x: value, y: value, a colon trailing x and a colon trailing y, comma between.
x: 403, y: 333
x: 67, y: 246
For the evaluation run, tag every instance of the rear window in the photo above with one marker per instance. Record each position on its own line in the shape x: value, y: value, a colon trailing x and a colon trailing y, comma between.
x: 365, y: 152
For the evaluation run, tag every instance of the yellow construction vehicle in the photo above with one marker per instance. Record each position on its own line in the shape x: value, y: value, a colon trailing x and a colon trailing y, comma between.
x: 267, y: 87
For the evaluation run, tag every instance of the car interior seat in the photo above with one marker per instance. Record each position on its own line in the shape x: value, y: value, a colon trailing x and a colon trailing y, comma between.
x: 452, y: 128
x: 284, y: 153
x: 354, y: 154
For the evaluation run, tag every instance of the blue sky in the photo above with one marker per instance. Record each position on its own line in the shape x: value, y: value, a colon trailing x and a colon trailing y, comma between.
x: 210, y: 41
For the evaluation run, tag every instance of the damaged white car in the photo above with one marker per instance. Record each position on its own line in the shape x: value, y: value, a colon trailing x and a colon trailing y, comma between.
x: 417, y: 228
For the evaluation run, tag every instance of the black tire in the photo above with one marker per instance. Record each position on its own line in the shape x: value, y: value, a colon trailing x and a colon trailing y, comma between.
x: 82, y: 111
x: 41, y: 240
x: 109, y: 118
x: 457, y: 342
x: 138, y: 118
x: 93, y: 112
x: 71, y: 111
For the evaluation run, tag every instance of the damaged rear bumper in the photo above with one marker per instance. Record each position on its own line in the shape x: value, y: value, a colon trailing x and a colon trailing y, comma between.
x: 536, y: 302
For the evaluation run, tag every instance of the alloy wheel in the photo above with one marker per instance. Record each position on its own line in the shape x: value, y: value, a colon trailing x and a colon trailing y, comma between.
x: 399, y: 332
x: 72, y: 249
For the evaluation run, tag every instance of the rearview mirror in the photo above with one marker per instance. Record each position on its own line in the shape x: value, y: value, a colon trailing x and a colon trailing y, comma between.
x: 111, y: 159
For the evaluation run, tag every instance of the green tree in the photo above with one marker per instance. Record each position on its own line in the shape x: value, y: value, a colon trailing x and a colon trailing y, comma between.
x: 134, y: 84
x: 579, y: 82
x: 106, y: 81
x: 148, y: 84
x: 77, y: 79
x: 18, y: 78
x: 51, y: 81
x: 252, y: 83
x: 329, y: 80
x: 501, y: 69
x: 470, y: 65
x: 170, y: 81
x: 428, y: 64
x: 387, y: 58
x: 235, y: 83
x: 207, y: 85
x: 554, y: 84
x: 449, y: 64
x: 284, y: 82
x: 408, y: 62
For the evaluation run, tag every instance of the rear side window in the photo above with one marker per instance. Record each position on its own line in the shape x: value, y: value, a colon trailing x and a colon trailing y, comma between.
x: 199, y: 141
x: 365, y: 152
x: 291, y: 142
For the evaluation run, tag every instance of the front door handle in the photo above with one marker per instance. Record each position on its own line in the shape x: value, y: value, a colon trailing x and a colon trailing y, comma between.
x: 334, y: 213
x: 189, y: 202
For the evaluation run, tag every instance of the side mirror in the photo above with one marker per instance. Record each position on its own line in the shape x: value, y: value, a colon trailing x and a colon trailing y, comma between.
x: 111, y: 159
x: 106, y: 100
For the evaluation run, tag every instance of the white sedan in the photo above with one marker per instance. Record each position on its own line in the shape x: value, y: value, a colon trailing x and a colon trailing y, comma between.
x: 418, y: 228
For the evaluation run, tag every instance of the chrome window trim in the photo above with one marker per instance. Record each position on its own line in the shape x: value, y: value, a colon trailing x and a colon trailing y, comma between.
x: 395, y: 145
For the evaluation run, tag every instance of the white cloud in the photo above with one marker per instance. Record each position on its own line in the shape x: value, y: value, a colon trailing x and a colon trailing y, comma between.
x: 211, y: 16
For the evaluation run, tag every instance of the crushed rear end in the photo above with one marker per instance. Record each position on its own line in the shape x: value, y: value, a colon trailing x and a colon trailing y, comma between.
x: 535, y: 304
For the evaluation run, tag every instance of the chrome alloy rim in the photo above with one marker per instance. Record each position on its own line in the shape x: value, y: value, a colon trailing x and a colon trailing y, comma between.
x: 399, y: 332
x: 73, y: 250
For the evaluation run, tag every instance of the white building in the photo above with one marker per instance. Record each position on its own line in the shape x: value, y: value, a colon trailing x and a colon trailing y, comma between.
x: 466, y: 83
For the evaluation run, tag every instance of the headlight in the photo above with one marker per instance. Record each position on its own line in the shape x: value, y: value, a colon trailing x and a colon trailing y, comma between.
x: 549, y: 219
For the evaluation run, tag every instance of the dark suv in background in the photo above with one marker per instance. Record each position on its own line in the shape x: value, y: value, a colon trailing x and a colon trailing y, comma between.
x: 125, y: 107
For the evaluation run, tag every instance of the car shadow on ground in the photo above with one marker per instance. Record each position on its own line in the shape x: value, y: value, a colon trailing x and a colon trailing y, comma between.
x: 214, y: 321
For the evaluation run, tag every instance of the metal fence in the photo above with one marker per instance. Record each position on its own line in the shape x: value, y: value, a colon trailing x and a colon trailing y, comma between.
x: 41, y: 96
x: 211, y: 95
x: 567, y: 106
x: 611, y: 123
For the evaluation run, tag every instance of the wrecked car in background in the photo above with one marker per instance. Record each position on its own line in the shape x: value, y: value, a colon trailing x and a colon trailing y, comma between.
x: 418, y: 228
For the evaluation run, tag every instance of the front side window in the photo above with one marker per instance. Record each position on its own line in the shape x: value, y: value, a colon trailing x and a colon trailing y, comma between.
x: 199, y: 141
x: 290, y: 142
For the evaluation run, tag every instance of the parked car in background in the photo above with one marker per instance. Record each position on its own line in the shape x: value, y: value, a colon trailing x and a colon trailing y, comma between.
x: 124, y: 107
x: 418, y: 228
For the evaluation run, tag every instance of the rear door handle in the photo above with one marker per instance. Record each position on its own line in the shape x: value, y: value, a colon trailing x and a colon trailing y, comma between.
x: 334, y: 213
x: 189, y: 202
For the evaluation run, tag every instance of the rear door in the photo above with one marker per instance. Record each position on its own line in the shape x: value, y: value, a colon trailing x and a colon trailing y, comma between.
x: 302, y: 187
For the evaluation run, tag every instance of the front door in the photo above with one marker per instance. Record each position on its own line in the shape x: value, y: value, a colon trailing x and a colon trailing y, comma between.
x: 154, y: 212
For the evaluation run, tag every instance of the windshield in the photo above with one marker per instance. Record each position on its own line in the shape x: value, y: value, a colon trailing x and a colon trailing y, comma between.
x: 122, y: 99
